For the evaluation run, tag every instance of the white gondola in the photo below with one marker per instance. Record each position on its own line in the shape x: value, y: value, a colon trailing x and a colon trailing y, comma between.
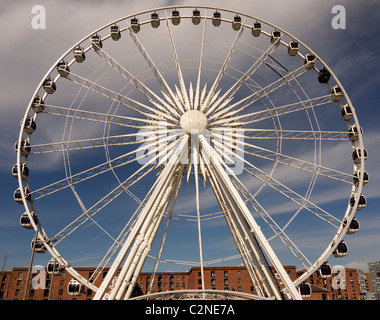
x: 324, y: 75
x: 354, y: 226
x: 356, y: 178
x: 357, y: 155
x: 216, y: 19
x: 293, y: 48
x: 196, y: 17
x: 115, y: 33
x: 97, y: 43
x: 74, y: 288
x: 17, y: 196
x: 24, y: 171
x: 309, y: 61
x: 305, y: 290
x: 346, y: 113
x: 135, y: 26
x: 79, y: 54
x: 155, y: 21
x: 362, y: 201
x: 30, y: 125
x: 49, y: 85
x: 341, y: 250
x: 25, y: 147
x: 336, y: 93
x: 25, y: 220
x: 236, y: 23
x: 176, y: 19
x: 353, y: 133
x: 275, y: 38
x: 256, y: 29
x: 325, y: 271
x: 63, y: 69
x: 38, y: 104
x: 39, y: 247
x: 53, y: 267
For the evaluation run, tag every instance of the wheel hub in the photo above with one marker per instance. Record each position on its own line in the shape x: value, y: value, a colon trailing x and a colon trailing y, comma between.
x: 193, y: 121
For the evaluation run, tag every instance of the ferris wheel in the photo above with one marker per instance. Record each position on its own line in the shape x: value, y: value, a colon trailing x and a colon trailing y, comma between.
x: 163, y: 135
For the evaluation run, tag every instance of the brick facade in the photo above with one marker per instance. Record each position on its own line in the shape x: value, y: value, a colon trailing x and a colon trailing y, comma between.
x: 233, y: 278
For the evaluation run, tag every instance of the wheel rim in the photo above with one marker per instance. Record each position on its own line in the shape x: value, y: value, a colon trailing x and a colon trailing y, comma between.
x: 172, y: 95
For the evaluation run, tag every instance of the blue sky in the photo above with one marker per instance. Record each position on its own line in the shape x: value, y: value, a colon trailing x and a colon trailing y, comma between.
x: 27, y: 54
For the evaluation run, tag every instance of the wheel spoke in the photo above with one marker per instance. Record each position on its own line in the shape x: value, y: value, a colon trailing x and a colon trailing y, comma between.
x: 97, y: 170
x: 245, y: 147
x: 120, y: 140
x: 215, y: 85
x: 229, y: 94
x: 250, y: 99
x: 112, y: 195
x: 116, y: 97
x: 151, y: 95
x: 231, y: 119
x: 165, y: 87
x: 286, y: 191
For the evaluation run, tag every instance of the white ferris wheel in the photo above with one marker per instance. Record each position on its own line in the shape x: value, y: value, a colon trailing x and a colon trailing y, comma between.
x: 191, y: 136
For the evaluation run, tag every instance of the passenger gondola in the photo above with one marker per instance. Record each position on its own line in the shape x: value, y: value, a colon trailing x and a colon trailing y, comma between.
x: 79, y: 54
x: 196, y: 17
x: 38, y: 104
x: 155, y: 21
x: 256, y: 29
x: 24, y: 171
x: 115, y: 33
x: 30, y: 125
x: 275, y: 38
x: 356, y: 178
x: 49, y: 85
x: 293, y: 48
x: 346, y: 113
x: 323, y: 75
x: 309, y: 61
x: 135, y: 26
x: 236, y: 24
x: 25, y: 220
x: 176, y: 19
x: 216, y: 19
x: 74, y: 288
x: 362, y: 201
x: 63, y: 69
x: 97, y: 43
x: 25, y: 147
x: 341, y: 250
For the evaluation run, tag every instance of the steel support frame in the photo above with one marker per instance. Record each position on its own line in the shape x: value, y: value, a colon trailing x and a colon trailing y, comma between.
x: 142, y: 234
x: 241, y: 211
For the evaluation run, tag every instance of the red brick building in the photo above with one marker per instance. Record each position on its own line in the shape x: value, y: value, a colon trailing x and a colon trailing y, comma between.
x: 233, y: 278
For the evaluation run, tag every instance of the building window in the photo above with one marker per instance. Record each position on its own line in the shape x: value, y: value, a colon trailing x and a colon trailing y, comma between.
x: 238, y: 280
x: 238, y: 273
x: 226, y: 273
x: 226, y: 282
x: 17, y: 292
x: 212, y: 274
x: 18, y: 283
x: 213, y: 282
